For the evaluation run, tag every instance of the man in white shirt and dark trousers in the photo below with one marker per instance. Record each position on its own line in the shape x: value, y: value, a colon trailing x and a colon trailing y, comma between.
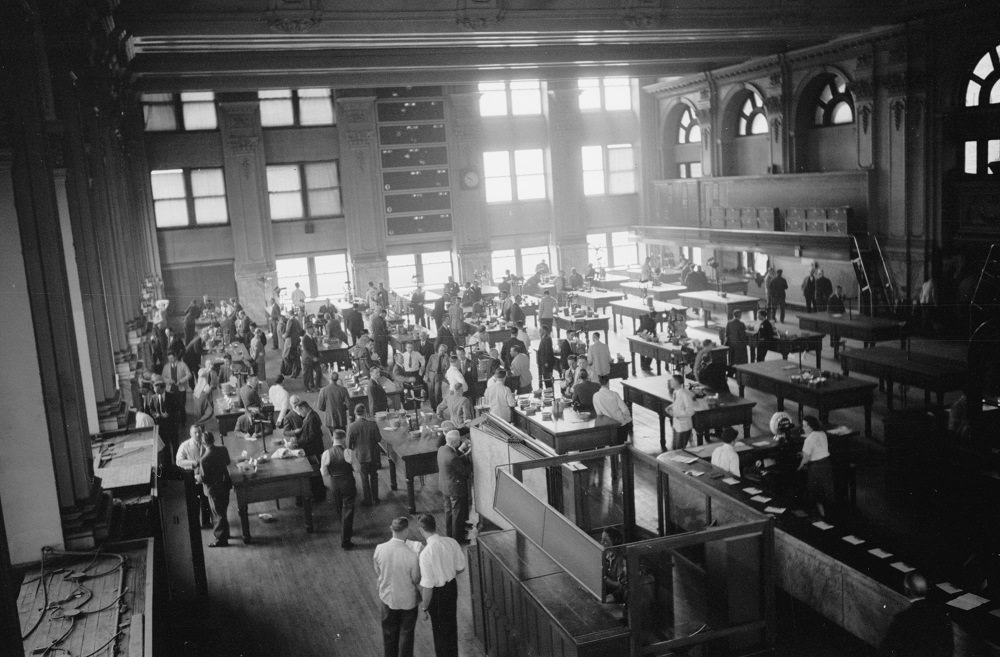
x: 725, y: 456
x: 398, y: 572
x: 607, y: 402
x: 440, y: 563
x: 682, y: 412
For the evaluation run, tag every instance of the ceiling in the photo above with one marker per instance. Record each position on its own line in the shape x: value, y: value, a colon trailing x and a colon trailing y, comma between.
x: 246, y: 44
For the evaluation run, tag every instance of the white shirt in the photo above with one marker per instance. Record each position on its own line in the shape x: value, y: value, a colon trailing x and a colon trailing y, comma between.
x: 499, y: 398
x: 606, y: 402
x: 546, y: 307
x: 453, y: 376
x: 189, y: 453
x: 398, y: 571
x: 726, y: 458
x: 682, y: 410
x: 600, y: 358
x: 413, y: 361
x: 278, y: 396
x: 143, y: 420
x: 815, y: 448
x: 298, y: 297
x: 440, y: 561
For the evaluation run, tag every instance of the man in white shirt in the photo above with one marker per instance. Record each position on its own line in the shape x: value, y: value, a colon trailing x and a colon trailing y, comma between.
x: 454, y: 373
x: 499, y: 397
x: 682, y: 412
x: 299, y: 297
x: 607, y: 402
x: 520, y: 365
x: 278, y: 397
x: 600, y: 357
x: 143, y: 420
x: 546, y: 309
x: 413, y: 362
x: 398, y: 571
x: 189, y: 456
x: 725, y: 456
x: 440, y: 563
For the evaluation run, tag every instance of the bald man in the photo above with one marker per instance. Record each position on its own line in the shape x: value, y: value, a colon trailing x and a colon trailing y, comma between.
x: 454, y: 469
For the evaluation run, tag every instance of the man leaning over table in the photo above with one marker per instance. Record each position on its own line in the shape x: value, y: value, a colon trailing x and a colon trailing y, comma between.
x: 681, y: 410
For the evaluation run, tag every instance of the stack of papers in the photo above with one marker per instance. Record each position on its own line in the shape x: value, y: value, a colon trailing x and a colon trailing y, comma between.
x: 732, y: 481
x: 761, y: 499
x: 948, y: 588
x: 880, y: 553
x: 854, y: 540
x: 902, y: 567
x: 684, y: 459
x: 774, y: 509
x: 968, y: 601
x: 750, y: 490
x: 839, y: 431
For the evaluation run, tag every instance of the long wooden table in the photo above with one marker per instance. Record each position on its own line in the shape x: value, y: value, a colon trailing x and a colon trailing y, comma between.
x: 710, y: 301
x: 227, y: 411
x: 409, y: 457
x: 275, y: 479
x: 868, y: 330
x: 497, y: 334
x: 596, y: 300
x: 335, y: 354
x: 653, y: 393
x: 774, y: 376
x: 570, y: 434
x: 609, y: 282
x: 661, y: 292
x: 635, y: 309
x: 790, y: 343
x: 666, y: 352
x: 586, y: 324
x: 931, y: 373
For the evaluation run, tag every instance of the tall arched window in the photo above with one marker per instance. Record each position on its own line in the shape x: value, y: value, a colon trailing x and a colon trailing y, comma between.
x: 834, y: 105
x: 984, y: 83
x: 688, y: 130
x: 753, y: 119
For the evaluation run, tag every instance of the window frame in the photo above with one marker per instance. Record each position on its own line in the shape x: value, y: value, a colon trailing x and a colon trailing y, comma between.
x: 176, y: 103
x: 514, y: 178
x: 509, y: 93
x: 304, y: 191
x: 190, y: 199
x: 745, y: 120
x: 419, y: 277
x: 692, y: 123
x: 829, y: 107
x: 606, y: 172
x: 601, y: 87
x: 296, y: 101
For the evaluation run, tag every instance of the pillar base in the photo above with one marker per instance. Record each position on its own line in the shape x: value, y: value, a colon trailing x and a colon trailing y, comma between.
x: 254, y: 288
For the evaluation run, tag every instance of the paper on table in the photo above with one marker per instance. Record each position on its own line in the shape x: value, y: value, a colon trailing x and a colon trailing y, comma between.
x: 854, y: 540
x: 902, y: 567
x: 880, y: 553
x: 761, y: 443
x: 995, y: 612
x: 948, y: 588
x: 774, y: 509
x: 694, y: 473
x: 819, y: 524
x: 968, y: 601
x: 750, y: 490
x: 732, y: 481
x: 839, y: 431
x: 684, y: 459
x: 761, y: 499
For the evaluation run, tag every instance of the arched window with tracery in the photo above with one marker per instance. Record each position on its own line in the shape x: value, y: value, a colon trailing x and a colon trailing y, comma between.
x: 753, y: 118
x: 834, y: 105
x: 981, y: 151
x: 688, y: 129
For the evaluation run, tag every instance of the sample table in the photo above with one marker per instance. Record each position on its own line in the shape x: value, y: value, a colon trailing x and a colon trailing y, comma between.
x: 931, y: 373
x: 790, y: 343
x: 678, y: 356
x: 596, y: 300
x: 571, y: 433
x: 497, y: 334
x: 868, y: 330
x: 661, y: 292
x: 653, y: 393
x: 774, y: 376
x: 338, y: 354
x: 714, y: 302
x: 274, y: 479
x: 586, y: 324
x: 227, y: 411
x: 409, y: 457
x: 609, y: 282
x: 636, y: 308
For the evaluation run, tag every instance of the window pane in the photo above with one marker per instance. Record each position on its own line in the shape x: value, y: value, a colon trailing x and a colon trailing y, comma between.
x: 992, y: 152
x: 621, y: 238
x: 842, y: 114
x: 695, y: 170
x: 625, y: 255
x: 819, y: 115
x: 496, y: 163
x: 747, y: 107
x: 492, y: 99
x: 696, y: 255
x: 593, y: 158
x: 621, y: 157
x: 590, y: 94
x: 995, y: 93
x: 291, y: 271
x: 158, y: 112
x: 498, y: 190
x: 324, y: 203
x: 210, y: 210
x: 682, y: 135
x: 207, y: 182
x: 825, y: 95
x: 436, y: 267
x: 321, y: 175
x: 331, y: 274
x: 593, y: 183
x: 402, y: 271
x: 621, y: 182
x: 285, y: 205
x: 284, y: 192
x: 315, y: 107
x: 276, y: 108
x: 502, y: 261
x: 199, y: 110
x: 972, y: 94
x: 167, y: 184
x: 530, y: 187
x: 742, y: 127
x: 525, y: 97
x: 597, y: 249
x: 617, y: 94
x: 283, y: 178
x: 694, y: 136
x: 759, y: 126
x: 529, y: 161
x: 983, y: 67
x: 170, y: 214
x: 971, y: 159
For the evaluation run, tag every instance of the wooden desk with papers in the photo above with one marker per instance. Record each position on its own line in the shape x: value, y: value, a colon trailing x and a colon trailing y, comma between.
x: 410, y: 457
x: 636, y: 308
x: 868, y: 330
x: 570, y: 434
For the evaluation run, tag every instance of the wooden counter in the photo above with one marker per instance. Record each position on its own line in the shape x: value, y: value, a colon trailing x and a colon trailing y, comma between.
x: 596, y: 300
x: 868, y: 330
x: 570, y: 434
x: 711, y: 301
x: 636, y: 308
x: 586, y: 324
x: 409, y: 457
x: 931, y: 373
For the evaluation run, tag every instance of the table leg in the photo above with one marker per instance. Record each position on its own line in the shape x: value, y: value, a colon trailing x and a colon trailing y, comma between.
x: 819, y: 350
x: 606, y: 336
x: 659, y: 367
x: 742, y: 389
x: 614, y: 321
x: 245, y: 523
x: 835, y: 343
x: 633, y: 363
x: 307, y: 511
x: 411, y: 496
x: 781, y: 400
x: 392, y: 474
x: 663, y: 431
x: 746, y: 430
x: 868, y: 420
x: 707, y: 315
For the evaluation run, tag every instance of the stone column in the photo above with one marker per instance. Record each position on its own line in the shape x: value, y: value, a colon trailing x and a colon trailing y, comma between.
x: 359, y: 170
x: 468, y: 203
x: 705, y: 115
x: 863, y: 91
x: 246, y: 193
x: 569, y: 222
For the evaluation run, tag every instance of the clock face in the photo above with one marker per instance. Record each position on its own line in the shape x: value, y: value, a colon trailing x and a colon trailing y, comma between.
x: 470, y: 180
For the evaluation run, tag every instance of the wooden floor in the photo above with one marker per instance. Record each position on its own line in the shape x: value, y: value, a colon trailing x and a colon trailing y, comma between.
x: 293, y: 593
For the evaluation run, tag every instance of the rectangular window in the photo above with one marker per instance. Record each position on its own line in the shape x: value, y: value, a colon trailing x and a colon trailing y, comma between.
x: 609, y: 94
x: 696, y: 255
x: 289, y: 272
x: 690, y: 170
x: 608, y: 169
x: 623, y: 251
x: 288, y: 107
x: 529, y: 169
x: 992, y: 153
x: 331, y: 274
x: 189, y: 110
x: 159, y: 112
x: 593, y: 170
x: 531, y: 256
x: 435, y: 268
x: 277, y: 108
x: 316, y: 107
x: 597, y: 249
x: 501, y: 261
x: 198, y: 109
x: 496, y: 175
x: 300, y: 191
x: 180, y: 195
x: 402, y: 271
x: 516, y: 98
x: 432, y: 269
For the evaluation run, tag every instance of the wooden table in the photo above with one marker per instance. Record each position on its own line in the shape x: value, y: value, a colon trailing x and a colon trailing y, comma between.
x: 586, y: 324
x: 790, y: 343
x: 227, y: 411
x: 711, y: 301
x: 609, y: 282
x: 774, y: 376
x: 410, y: 457
x: 653, y: 393
x: 570, y: 434
x: 596, y: 300
x: 636, y: 308
x: 338, y: 354
x: 868, y: 330
x: 661, y: 292
x: 732, y: 286
x: 677, y: 356
x: 496, y: 335
x: 931, y: 373
x: 395, y: 397
x: 274, y: 479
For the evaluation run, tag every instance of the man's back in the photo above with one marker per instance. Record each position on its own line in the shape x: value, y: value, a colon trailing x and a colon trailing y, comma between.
x: 583, y: 394
x: 600, y: 356
x: 398, y: 570
x: 363, y: 437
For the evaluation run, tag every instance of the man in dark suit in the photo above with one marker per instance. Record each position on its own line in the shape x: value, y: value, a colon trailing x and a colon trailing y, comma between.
x: 249, y: 397
x: 380, y: 335
x: 191, y: 315
x: 310, y: 441
x: 417, y: 298
x: 332, y: 402
x: 214, y: 472
x: 583, y: 392
x: 510, y: 342
x: 312, y: 368
x: 920, y: 630
x: 470, y: 372
x: 434, y: 374
x: 445, y: 337
x: 425, y: 346
x: 174, y: 344
x: 736, y: 339
x: 546, y: 356
x: 338, y: 476
x: 438, y: 314
x: 647, y: 329
x: 159, y: 407
x: 354, y: 322
x: 454, y: 469
x: 378, y: 400
x: 363, y: 437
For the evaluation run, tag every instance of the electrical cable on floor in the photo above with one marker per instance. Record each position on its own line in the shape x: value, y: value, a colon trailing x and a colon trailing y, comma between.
x: 45, y: 593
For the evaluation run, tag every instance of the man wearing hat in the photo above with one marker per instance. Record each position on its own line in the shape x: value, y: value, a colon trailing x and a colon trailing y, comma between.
x: 160, y: 409
x: 454, y: 469
x: 397, y: 569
